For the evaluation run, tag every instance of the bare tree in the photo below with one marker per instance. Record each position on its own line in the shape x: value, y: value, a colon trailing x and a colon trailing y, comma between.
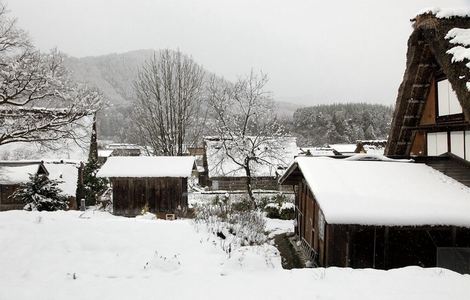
x: 31, y: 79
x: 170, y: 109
x: 246, y: 124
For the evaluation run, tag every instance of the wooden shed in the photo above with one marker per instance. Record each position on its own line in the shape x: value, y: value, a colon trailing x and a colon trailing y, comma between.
x: 378, y: 213
x: 12, y: 174
x: 159, y: 183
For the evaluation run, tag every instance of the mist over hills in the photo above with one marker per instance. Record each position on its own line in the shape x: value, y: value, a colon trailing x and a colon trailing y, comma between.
x: 114, y: 74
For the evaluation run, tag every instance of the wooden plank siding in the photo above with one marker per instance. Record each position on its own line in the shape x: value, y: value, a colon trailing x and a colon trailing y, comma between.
x: 360, y: 246
x: 7, y: 203
x: 161, y: 195
x: 239, y: 183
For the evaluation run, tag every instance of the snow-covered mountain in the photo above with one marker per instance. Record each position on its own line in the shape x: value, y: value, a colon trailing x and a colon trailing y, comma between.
x: 114, y: 74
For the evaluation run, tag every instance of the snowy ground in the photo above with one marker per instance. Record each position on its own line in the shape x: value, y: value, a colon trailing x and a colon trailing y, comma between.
x: 98, y: 256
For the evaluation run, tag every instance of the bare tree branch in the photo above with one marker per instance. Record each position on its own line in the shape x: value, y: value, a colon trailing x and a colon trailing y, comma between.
x: 38, y: 100
x: 169, y: 90
x: 245, y: 123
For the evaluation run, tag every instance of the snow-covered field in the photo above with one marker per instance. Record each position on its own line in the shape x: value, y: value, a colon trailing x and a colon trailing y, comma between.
x: 64, y: 255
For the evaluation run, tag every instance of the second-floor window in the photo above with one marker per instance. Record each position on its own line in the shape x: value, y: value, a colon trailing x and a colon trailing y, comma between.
x: 448, y: 104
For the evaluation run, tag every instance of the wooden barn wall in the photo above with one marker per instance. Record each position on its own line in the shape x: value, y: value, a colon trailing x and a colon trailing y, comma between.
x: 419, y: 144
x: 428, y: 118
x: 379, y: 247
x: 239, y: 183
x: 393, y: 247
x: 7, y: 203
x: 308, y: 223
x: 162, y: 195
x: 429, y: 113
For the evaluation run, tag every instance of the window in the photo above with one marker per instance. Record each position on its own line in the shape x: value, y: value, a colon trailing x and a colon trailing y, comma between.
x: 457, y: 143
x: 437, y: 143
x: 467, y: 145
x: 448, y: 104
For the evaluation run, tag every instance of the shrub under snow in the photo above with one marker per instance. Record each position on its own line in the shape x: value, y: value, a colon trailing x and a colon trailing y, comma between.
x: 42, y: 194
x: 232, y: 222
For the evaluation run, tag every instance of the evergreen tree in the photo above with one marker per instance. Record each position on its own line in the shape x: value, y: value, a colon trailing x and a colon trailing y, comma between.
x: 340, y: 123
x: 92, y: 186
x: 89, y: 187
x: 42, y: 194
x: 369, y: 134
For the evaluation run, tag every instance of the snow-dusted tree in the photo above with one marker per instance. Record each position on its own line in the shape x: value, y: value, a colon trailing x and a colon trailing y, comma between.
x: 41, y: 193
x: 246, y: 124
x: 169, y: 91
x: 369, y: 134
x: 31, y: 79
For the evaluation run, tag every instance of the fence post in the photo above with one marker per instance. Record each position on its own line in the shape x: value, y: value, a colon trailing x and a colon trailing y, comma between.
x: 82, y: 204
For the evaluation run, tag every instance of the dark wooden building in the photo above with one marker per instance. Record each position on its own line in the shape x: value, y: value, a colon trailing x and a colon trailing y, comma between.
x: 156, y: 183
x: 12, y: 174
x: 378, y: 214
x: 222, y: 173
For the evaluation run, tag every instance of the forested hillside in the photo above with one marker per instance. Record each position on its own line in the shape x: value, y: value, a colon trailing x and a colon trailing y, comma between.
x: 114, y: 75
x: 341, y: 123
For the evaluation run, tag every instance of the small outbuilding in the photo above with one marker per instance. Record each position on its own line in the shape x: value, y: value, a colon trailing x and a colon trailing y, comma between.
x: 371, y: 211
x: 12, y: 174
x: 159, y: 183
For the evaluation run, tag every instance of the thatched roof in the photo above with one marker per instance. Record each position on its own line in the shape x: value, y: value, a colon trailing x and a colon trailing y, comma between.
x: 427, y: 55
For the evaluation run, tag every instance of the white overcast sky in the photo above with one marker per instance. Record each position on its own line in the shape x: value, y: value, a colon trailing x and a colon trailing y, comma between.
x: 313, y: 51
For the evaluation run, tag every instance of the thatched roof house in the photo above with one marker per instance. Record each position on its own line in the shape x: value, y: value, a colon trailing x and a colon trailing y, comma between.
x: 434, y: 96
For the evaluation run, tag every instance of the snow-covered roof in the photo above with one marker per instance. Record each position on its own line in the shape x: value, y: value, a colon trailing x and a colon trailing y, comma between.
x: 317, y: 151
x: 344, y: 148
x: 275, y: 156
x: 15, y: 173
x: 104, y: 153
x: 68, y: 149
x: 384, y: 193
x: 123, y: 146
x: 147, y: 166
x: 66, y: 173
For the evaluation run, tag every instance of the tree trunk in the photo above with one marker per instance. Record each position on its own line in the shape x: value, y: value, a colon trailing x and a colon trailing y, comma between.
x: 249, y: 188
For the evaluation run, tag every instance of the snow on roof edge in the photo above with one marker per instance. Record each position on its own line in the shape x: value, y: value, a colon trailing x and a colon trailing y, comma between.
x: 370, y: 199
x: 147, y: 166
x: 445, y: 13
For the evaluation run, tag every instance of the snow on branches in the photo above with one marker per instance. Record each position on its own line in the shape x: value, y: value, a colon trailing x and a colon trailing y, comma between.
x: 38, y: 100
x: 245, y: 122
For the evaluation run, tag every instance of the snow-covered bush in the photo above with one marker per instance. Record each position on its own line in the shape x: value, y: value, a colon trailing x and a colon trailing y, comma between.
x: 242, y: 205
x: 287, y: 211
x: 280, y: 207
x: 42, y: 194
x: 272, y: 210
x: 232, y: 224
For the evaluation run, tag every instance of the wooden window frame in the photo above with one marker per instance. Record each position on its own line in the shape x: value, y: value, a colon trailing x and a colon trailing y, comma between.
x: 447, y: 118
